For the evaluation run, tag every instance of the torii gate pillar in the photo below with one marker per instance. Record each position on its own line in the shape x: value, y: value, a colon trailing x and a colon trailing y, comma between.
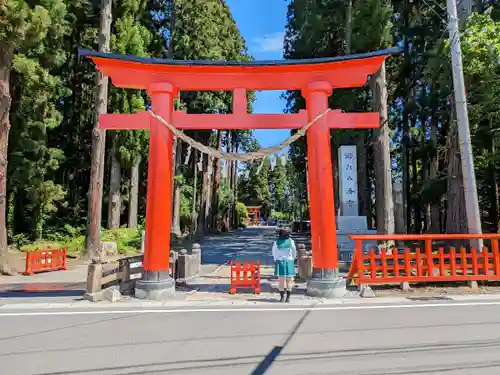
x: 325, y: 281
x: 156, y: 282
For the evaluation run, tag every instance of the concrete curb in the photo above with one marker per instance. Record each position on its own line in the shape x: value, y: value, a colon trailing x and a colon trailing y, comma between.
x: 266, y: 302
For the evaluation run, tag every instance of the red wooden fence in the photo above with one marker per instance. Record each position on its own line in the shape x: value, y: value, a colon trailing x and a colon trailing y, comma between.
x: 425, y: 264
x: 45, y: 260
x: 245, y: 275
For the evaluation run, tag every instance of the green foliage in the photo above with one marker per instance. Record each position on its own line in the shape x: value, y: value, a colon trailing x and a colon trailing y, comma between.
x: 130, y: 37
x: 481, y: 51
x: 205, y: 30
x: 128, y: 241
x: 254, y: 184
x: 36, y: 89
x: 23, y: 24
x: 277, y: 215
x: 278, y: 181
x: 241, y: 212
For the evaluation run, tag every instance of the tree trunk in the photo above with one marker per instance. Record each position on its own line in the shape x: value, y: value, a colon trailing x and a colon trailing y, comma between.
x: 348, y: 28
x: 203, y: 222
x: 370, y: 178
x: 383, y: 165
x: 424, y: 175
x: 232, y: 178
x: 216, y: 184
x: 38, y: 219
x: 405, y: 159
x: 5, y: 100
x: 235, y: 187
x: 415, y: 203
x: 202, y: 226
x: 364, y: 188
x: 494, y: 194
x: 195, y: 190
x: 208, y: 177
x: 115, y: 179
x: 397, y: 197
x: 456, y: 219
x: 435, y: 226
x: 133, y: 199
x: 176, y: 205
x: 92, y: 240
x: 336, y: 178
x: 176, y: 222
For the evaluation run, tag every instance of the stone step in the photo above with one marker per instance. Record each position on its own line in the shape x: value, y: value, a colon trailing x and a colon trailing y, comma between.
x: 347, y: 240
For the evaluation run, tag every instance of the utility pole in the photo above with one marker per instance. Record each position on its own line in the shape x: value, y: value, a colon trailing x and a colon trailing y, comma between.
x: 469, y: 177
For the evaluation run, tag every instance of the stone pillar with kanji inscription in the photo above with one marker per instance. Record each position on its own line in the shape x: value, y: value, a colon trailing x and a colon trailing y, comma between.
x: 349, y: 221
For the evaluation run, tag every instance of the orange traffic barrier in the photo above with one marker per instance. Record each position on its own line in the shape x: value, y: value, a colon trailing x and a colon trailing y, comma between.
x: 427, y: 263
x: 45, y: 260
x: 245, y: 275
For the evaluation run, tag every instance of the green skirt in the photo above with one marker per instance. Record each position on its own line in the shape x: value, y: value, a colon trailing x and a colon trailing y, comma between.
x: 284, y: 268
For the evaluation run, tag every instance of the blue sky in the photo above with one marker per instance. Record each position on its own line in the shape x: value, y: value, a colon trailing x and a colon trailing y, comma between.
x: 262, y: 25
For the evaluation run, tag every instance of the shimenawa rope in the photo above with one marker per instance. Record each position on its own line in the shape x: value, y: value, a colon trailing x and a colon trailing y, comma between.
x: 260, y: 154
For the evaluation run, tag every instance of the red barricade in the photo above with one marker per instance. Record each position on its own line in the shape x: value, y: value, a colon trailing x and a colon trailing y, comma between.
x: 427, y: 263
x: 245, y: 275
x: 45, y: 260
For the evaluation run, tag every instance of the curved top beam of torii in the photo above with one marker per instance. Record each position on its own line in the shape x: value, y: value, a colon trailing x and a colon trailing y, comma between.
x: 188, y: 75
x: 239, y: 76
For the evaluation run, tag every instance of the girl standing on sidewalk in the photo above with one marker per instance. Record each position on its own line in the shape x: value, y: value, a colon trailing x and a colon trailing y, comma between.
x: 284, y: 254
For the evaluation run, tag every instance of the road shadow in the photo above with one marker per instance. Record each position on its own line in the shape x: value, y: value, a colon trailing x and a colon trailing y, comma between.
x: 277, y: 355
x: 38, y: 289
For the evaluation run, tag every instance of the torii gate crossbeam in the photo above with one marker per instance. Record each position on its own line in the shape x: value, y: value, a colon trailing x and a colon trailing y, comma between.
x: 164, y: 79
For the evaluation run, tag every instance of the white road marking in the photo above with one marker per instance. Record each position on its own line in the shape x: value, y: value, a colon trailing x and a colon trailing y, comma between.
x: 255, y: 310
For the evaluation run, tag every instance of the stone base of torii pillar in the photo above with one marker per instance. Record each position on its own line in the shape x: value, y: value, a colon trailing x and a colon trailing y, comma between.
x: 326, y: 284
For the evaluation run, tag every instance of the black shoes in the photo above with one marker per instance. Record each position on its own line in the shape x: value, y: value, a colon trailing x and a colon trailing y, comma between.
x: 282, y: 296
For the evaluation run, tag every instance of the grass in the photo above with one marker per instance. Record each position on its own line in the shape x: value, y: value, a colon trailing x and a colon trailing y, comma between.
x: 128, y: 240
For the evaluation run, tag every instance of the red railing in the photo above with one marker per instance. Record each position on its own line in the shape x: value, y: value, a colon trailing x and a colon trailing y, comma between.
x: 45, y: 260
x: 429, y: 263
x: 245, y: 275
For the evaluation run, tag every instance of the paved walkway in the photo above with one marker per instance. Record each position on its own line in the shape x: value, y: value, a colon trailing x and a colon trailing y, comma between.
x: 217, y: 250
x: 253, y: 243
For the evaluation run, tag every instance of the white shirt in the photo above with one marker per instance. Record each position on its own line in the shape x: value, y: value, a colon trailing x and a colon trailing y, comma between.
x: 284, y: 253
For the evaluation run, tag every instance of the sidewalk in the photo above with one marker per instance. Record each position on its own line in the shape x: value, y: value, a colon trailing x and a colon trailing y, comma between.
x: 215, y: 287
x: 209, y: 290
x: 212, y: 286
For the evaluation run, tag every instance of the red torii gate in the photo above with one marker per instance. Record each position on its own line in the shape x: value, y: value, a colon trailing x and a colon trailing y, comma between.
x: 164, y: 79
x: 255, y: 212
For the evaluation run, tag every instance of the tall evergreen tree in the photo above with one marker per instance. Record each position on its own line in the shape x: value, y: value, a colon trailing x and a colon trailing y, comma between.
x: 24, y: 26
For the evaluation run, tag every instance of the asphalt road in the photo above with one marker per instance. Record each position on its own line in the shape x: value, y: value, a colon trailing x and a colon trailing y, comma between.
x: 450, y: 339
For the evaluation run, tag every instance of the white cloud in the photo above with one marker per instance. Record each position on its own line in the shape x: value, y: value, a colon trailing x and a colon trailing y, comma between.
x: 269, y: 43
